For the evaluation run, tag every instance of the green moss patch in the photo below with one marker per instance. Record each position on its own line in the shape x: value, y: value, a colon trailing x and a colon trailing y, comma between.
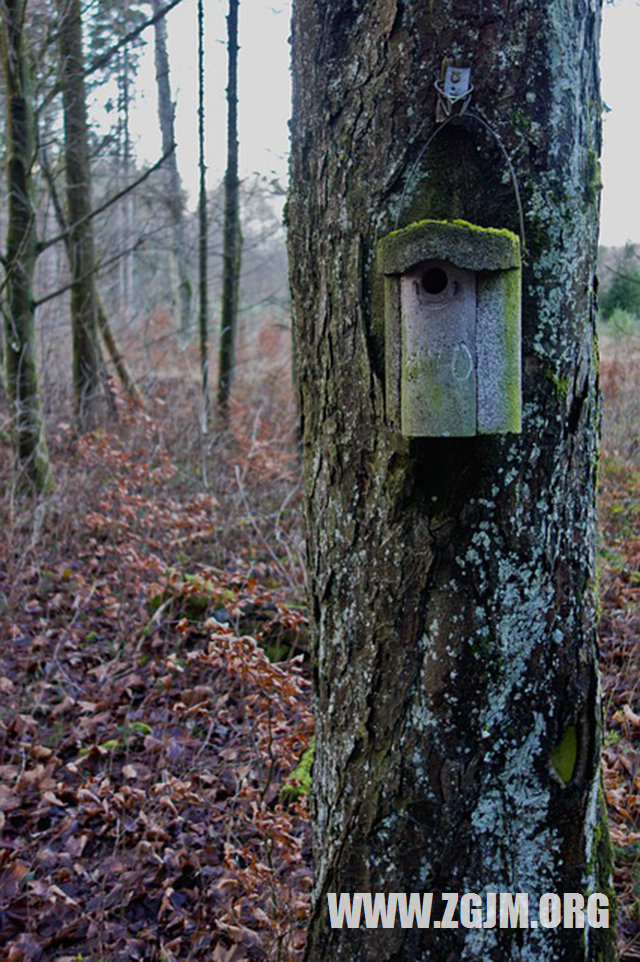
x: 565, y: 753
x: 465, y: 245
x: 298, y: 784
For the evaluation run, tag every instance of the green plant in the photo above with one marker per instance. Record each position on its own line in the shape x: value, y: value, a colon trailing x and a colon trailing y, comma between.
x: 621, y: 287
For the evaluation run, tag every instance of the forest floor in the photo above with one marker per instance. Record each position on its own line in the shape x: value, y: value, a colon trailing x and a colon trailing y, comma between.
x: 155, y: 695
x: 619, y: 630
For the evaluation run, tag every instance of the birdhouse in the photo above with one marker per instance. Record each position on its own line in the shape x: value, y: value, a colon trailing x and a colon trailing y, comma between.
x: 452, y: 329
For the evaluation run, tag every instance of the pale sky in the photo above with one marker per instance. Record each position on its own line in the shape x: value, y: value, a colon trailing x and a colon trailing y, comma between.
x: 265, y: 95
x: 620, y: 217
x: 263, y: 81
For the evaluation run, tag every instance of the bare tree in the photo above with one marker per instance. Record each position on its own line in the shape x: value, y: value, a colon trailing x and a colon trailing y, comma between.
x: 174, y: 199
x: 88, y: 381
x: 203, y: 258
x: 231, y: 236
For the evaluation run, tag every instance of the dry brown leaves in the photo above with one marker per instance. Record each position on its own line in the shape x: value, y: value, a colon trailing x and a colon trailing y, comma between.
x: 620, y: 636
x: 144, y: 733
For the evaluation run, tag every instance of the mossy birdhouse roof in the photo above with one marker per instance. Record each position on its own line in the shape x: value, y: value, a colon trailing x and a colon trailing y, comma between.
x: 463, y: 244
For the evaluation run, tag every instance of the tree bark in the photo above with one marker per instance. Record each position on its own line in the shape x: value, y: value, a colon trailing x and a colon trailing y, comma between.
x: 232, y: 242
x: 31, y: 458
x: 87, y: 378
x: 174, y: 201
x: 451, y: 579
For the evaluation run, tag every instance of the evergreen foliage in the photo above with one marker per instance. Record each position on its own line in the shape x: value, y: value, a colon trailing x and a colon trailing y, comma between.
x: 622, y: 291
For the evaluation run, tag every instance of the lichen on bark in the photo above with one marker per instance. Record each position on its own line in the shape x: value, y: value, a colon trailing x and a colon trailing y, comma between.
x: 450, y: 579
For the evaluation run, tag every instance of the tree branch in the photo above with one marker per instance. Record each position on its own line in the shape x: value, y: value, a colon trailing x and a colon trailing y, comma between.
x: 103, y: 321
x: 94, y: 270
x: 105, y: 57
x: 55, y: 197
x: 43, y: 245
x: 625, y: 277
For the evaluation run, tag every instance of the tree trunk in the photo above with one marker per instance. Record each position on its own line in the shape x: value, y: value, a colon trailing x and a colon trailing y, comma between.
x: 87, y: 379
x: 231, y: 234
x: 174, y: 200
x: 104, y: 326
x: 451, y: 579
x: 31, y: 458
x: 125, y: 208
x: 203, y: 250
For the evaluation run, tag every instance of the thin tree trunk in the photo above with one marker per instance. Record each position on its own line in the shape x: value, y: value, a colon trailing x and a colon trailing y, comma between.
x: 115, y: 354
x: 231, y: 253
x: 3, y: 362
x: 30, y: 450
x: 451, y: 579
x: 174, y: 200
x: 87, y: 380
x: 202, y: 218
x: 125, y: 209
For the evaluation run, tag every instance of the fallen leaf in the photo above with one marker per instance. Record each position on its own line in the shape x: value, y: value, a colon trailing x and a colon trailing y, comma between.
x: 8, y: 799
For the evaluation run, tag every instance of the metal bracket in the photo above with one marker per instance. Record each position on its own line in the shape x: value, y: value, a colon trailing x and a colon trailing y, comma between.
x: 454, y: 91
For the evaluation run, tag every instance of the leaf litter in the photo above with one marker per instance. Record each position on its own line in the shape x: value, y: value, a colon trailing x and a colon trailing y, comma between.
x: 155, y: 699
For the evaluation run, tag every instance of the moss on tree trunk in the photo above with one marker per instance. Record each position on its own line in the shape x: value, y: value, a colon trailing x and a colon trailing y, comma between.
x: 87, y: 378
x: 450, y: 579
x: 31, y: 458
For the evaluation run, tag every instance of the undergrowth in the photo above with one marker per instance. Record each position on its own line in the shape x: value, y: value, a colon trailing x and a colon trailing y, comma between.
x: 155, y: 720
x: 619, y: 577
x: 155, y: 698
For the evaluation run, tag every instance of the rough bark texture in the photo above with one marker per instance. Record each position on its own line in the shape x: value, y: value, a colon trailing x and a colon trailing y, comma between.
x: 231, y: 236
x: 456, y: 681
x: 31, y: 459
x: 174, y: 200
x: 87, y: 378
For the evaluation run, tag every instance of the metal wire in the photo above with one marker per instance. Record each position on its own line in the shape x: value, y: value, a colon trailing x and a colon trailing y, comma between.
x: 465, y: 110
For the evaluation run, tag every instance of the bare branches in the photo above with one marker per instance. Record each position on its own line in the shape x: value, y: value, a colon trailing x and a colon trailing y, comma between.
x: 622, y: 274
x: 100, y: 265
x: 105, y: 57
x: 44, y: 245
